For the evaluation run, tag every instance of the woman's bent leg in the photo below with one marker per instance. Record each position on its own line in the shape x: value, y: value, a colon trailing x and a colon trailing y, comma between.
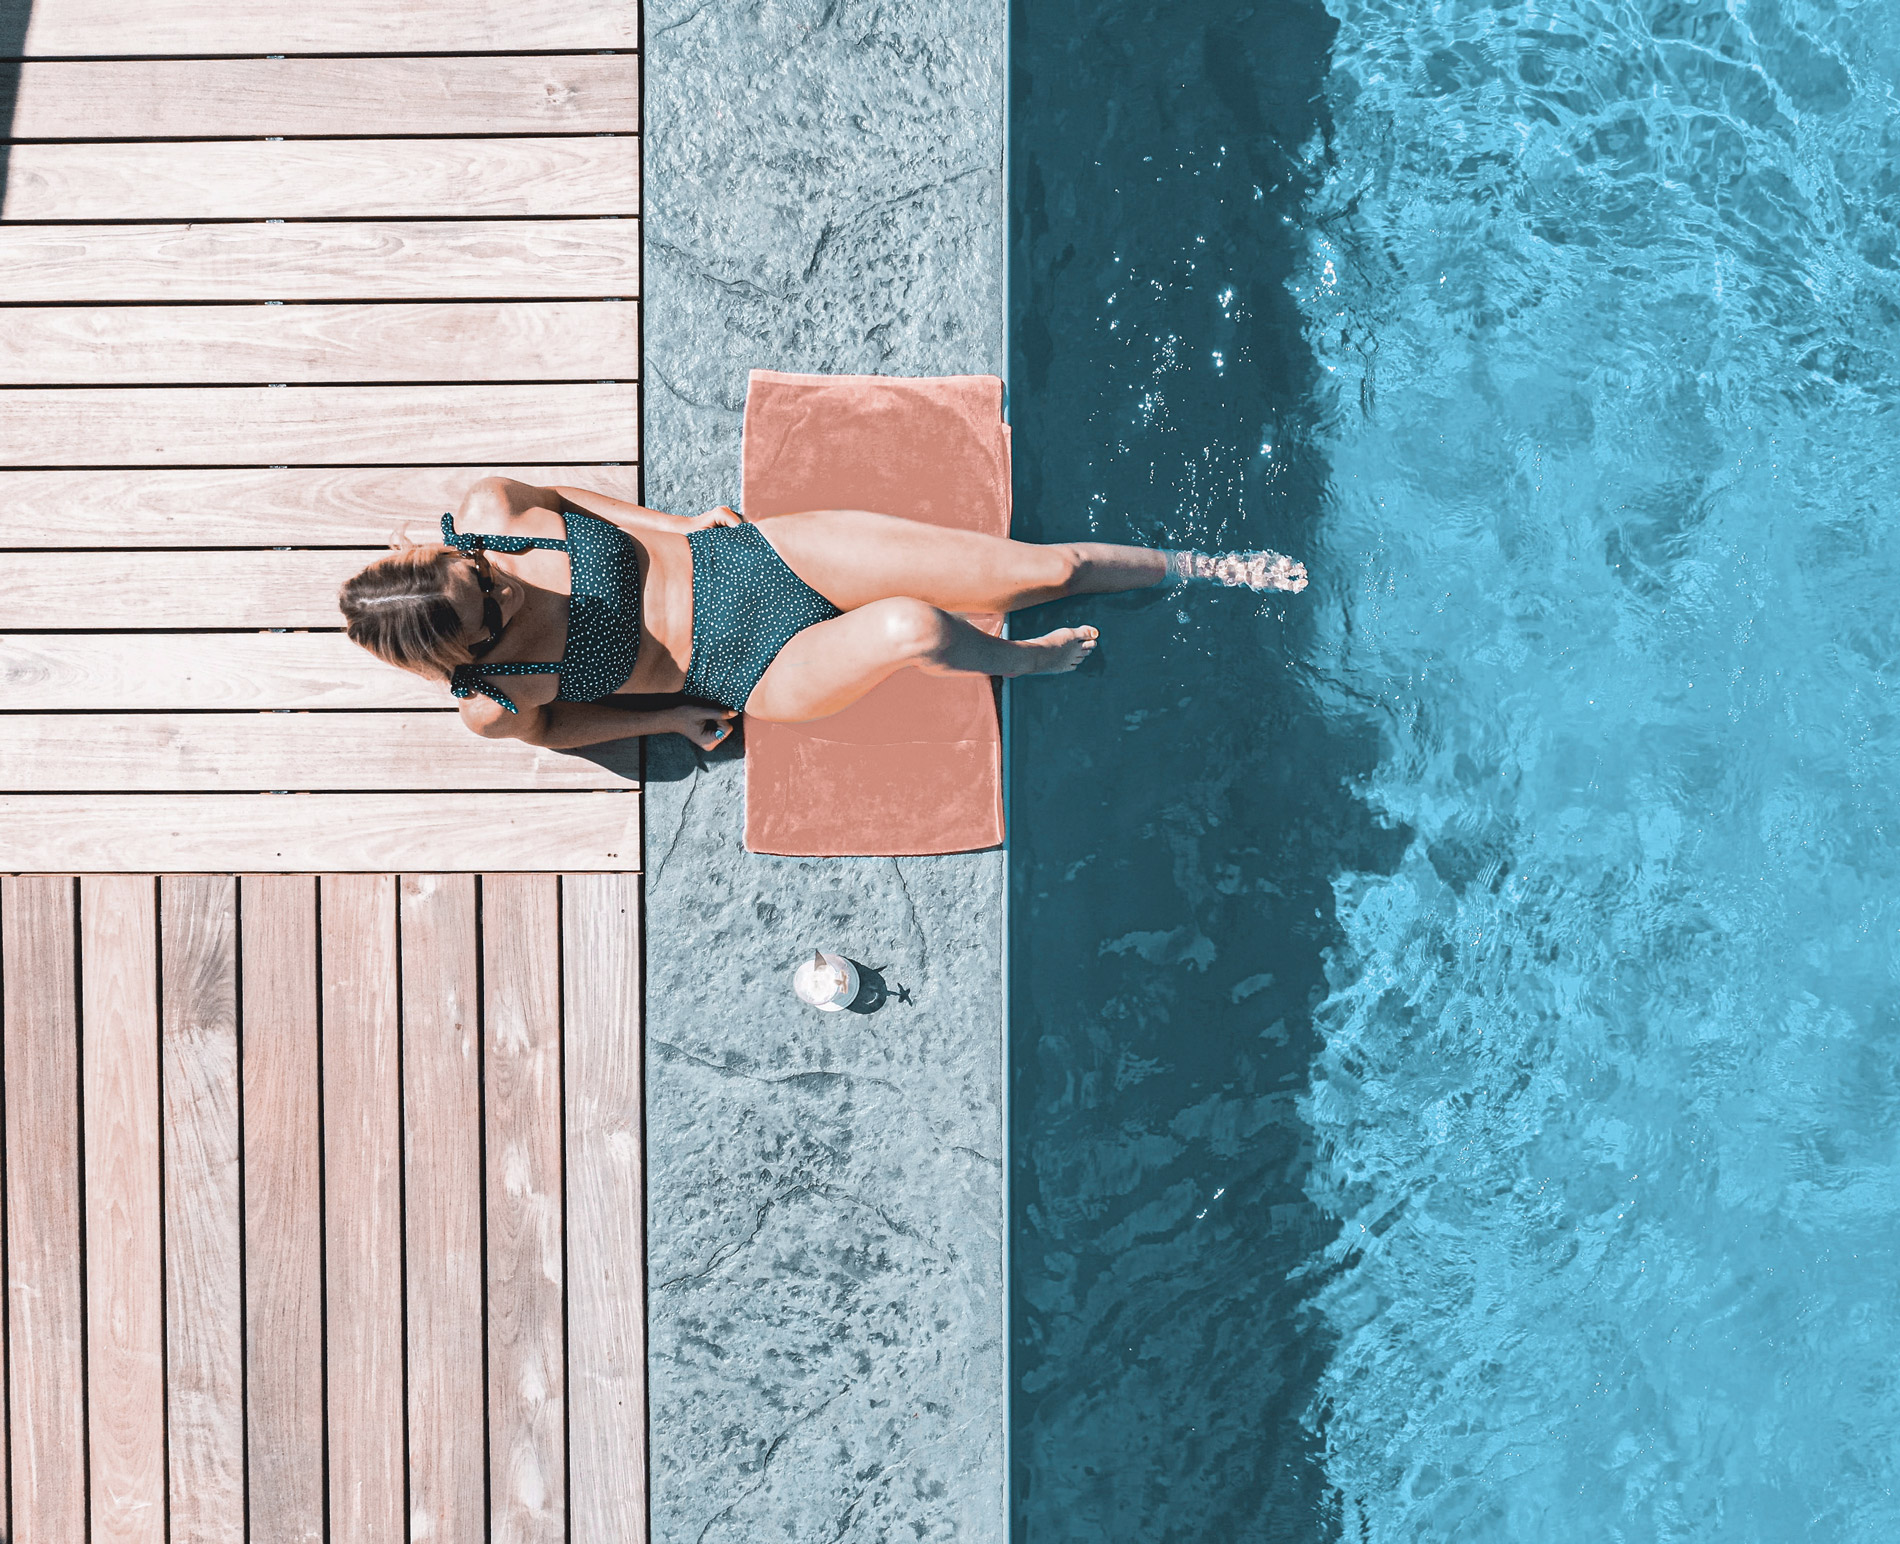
x: 829, y: 666
x: 853, y: 557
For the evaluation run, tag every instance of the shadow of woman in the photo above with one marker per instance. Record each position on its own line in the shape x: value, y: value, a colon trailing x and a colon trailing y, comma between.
x: 14, y: 15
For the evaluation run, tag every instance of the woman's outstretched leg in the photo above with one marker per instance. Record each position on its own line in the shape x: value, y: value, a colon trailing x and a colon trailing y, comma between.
x: 829, y: 666
x: 853, y: 557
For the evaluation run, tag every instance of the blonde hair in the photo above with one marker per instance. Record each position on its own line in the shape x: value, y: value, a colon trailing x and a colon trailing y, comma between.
x: 398, y: 608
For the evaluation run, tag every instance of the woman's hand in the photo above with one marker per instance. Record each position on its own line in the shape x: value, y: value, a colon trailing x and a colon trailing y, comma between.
x: 713, y: 517
x: 708, y: 728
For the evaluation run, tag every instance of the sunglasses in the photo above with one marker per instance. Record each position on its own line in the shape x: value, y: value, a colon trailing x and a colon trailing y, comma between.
x: 491, y: 608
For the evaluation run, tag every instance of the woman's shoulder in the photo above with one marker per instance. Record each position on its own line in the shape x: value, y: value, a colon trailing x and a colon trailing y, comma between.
x: 501, y: 506
x: 489, y: 719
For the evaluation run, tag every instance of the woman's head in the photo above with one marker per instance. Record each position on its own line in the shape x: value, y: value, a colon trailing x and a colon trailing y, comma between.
x: 408, y: 609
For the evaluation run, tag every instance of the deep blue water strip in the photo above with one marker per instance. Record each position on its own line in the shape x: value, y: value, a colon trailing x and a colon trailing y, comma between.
x: 1180, y: 807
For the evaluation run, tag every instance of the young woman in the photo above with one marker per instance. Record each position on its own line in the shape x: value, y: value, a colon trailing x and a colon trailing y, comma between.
x: 539, y: 602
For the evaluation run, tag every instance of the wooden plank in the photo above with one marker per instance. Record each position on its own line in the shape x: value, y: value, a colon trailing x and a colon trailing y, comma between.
x: 441, y: 1103
x: 347, y: 260
x: 362, y: 1145
x: 323, y: 179
x: 80, y: 27
x: 259, y: 506
x: 332, y: 832
x: 125, y: 1338
x: 283, y: 1219
x: 183, y: 670
x: 551, y: 340
x: 46, y: 1311
x: 606, y: 1207
x: 181, y: 589
x: 204, y: 1220
x: 283, y: 752
x: 521, y: 977
x: 316, y: 425
x: 209, y: 98
x: 294, y: 588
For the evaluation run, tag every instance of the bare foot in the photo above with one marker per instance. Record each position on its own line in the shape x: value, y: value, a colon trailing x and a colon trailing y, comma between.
x: 1058, y: 652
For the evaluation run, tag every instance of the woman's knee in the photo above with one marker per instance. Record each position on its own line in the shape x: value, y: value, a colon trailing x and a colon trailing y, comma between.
x: 1063, y: 566
x: 913, y: 629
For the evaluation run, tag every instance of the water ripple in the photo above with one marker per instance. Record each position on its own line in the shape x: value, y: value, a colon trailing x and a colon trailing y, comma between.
x: 1605, y: 297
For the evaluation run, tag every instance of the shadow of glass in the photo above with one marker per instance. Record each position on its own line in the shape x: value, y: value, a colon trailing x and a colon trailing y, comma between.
x: 874, y: 991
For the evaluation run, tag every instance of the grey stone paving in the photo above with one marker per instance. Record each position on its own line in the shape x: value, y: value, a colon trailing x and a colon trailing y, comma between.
x: 824, y: 192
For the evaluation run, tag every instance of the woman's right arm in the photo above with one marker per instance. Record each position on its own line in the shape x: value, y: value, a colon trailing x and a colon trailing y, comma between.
x: 566, y: 726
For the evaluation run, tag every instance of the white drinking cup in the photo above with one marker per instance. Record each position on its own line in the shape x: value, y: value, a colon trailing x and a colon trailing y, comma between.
x: 828, y: 982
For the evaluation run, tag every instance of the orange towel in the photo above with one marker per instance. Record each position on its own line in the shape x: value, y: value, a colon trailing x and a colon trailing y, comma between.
x: 915, y: 766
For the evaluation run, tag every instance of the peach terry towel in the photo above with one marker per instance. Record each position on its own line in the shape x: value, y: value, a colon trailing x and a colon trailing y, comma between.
x: 915, y: 766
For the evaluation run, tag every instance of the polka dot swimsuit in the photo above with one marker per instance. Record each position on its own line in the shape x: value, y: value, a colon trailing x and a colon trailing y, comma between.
x: 603, y: 611
x: 747, y: 604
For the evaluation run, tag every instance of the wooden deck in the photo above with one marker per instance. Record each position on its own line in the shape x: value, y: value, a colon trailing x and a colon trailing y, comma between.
x: 261, y: 312
x: 321, y: 1212
x: 323, y: 1208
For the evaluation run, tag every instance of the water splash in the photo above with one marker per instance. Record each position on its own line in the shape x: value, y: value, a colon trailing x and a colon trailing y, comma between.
x: 1266, y: 570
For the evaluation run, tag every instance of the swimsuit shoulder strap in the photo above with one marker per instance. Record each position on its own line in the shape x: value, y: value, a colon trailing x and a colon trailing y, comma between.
x: 468, y: 541
x: 470, y: 679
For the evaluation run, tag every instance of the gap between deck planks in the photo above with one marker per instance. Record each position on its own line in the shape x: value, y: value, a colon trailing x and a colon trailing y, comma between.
x: 394, y: 1034
x: 209, y: 98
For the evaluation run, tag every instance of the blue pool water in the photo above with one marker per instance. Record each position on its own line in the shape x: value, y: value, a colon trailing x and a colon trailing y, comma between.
x: 1456, y: 1011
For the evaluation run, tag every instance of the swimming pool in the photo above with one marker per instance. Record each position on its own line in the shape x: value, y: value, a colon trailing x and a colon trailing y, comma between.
x: 1455, y: 1044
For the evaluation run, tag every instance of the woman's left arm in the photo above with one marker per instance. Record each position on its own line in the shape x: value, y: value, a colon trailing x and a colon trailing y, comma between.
x: 637, y: 517
x: 495, y: 501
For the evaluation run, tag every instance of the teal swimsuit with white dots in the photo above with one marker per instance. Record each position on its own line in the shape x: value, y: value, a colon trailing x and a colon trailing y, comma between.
x: 603, y: 611
x: 747, y: 604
